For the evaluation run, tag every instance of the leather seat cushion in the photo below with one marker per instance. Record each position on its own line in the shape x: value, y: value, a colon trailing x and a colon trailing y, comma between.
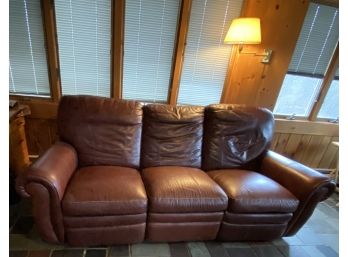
x: 251, y: 192
x: 105, y: 190
x: 173, y: 189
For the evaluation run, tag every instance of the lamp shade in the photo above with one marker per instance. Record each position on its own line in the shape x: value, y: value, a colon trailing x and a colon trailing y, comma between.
x: 244, y: 31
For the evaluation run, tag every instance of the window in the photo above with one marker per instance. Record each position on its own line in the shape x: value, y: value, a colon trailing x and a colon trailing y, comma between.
x: 206, y: 56
x: 297, y: 95
x: 150, y: 32
x: 28, y: 72
x: 314, y: 48
x: 329, y: 109
x: 84, y: 43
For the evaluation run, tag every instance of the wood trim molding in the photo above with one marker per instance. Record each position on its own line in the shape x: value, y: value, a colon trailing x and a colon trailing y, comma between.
x: 118, y: 13
x: 180, y: 50
x: 333, y: 3
x: 303, y: 127
x: 49, y: 24
x: 228, y: 78
x: 325, y: 86
x: 39, y: 108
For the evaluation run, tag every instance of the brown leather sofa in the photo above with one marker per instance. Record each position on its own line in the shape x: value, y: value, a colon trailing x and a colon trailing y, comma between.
x: 124, y: 173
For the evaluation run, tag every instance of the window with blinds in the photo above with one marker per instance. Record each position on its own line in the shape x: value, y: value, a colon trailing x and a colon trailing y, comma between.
x: 28, y: 72
x: 314, y: 48
x: 149, y: 41
x: 84, y: 43
x: 206, y: 56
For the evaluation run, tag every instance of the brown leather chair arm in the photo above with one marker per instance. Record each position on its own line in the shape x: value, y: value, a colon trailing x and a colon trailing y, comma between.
x: 45, y: 181
x: 307, y: 185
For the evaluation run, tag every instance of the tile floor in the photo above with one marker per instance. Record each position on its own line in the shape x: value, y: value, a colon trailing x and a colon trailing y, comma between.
x: 318, y: 238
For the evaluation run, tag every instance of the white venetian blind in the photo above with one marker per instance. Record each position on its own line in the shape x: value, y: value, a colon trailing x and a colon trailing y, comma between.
x: 84, y: 42
x: 150, y: 32
x: 206, y: 56
x: 27, y: 55
x: 317, y: 41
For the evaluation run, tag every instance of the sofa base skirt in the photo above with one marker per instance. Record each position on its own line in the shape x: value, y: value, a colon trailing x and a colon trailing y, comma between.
x: 169, y: 227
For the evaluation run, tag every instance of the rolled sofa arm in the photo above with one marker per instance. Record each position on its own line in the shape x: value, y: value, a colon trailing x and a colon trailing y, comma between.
x: 307, y: 185
x: 45, y: 181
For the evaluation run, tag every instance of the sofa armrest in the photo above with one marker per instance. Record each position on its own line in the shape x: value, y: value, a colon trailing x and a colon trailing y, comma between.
x: 45, y: 181
x: 307, y: 185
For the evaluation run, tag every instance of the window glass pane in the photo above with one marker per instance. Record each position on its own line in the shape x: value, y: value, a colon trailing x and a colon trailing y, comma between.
x: 150, y: 32
x: 329, y: 109
x: 206, y: 56
x: 84, y: 41
x: 27, y: 63
x: 297, y: 95
x: 314, y: 48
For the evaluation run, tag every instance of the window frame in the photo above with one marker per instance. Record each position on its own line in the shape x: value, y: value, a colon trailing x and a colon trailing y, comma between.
x: 117, y: 40
x: 322, y: 92
x: 113, y: 21
x: 325, y: 86
x: 328, y: 119
x: 183, y: 17
x: 49, y: 31
x: 329, y: 75
x: 117, y: 44
x: 179, y: 51
x: 117, y: 52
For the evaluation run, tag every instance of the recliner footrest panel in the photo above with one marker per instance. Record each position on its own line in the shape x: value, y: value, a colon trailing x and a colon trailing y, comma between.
x: 97, y: 236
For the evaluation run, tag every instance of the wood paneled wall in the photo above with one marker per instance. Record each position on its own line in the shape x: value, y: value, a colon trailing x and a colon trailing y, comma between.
x: 312, y: 150
x: 41, y: 134
x: 307, y: 142
x: 18, y: 147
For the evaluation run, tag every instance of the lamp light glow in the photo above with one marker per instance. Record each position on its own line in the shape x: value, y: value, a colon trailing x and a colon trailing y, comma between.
x: 244, y: 31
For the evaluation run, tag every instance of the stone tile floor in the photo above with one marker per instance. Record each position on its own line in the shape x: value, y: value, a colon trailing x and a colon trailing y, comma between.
x: 318, y: 238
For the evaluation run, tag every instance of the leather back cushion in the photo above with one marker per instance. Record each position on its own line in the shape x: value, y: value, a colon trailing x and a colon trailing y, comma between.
x: 103, y: 131
x: 172, y: 136
x: 235, y: 136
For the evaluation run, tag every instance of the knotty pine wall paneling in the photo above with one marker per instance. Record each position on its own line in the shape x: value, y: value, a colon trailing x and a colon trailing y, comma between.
x: 316, y: 151
x: 41, y: 134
